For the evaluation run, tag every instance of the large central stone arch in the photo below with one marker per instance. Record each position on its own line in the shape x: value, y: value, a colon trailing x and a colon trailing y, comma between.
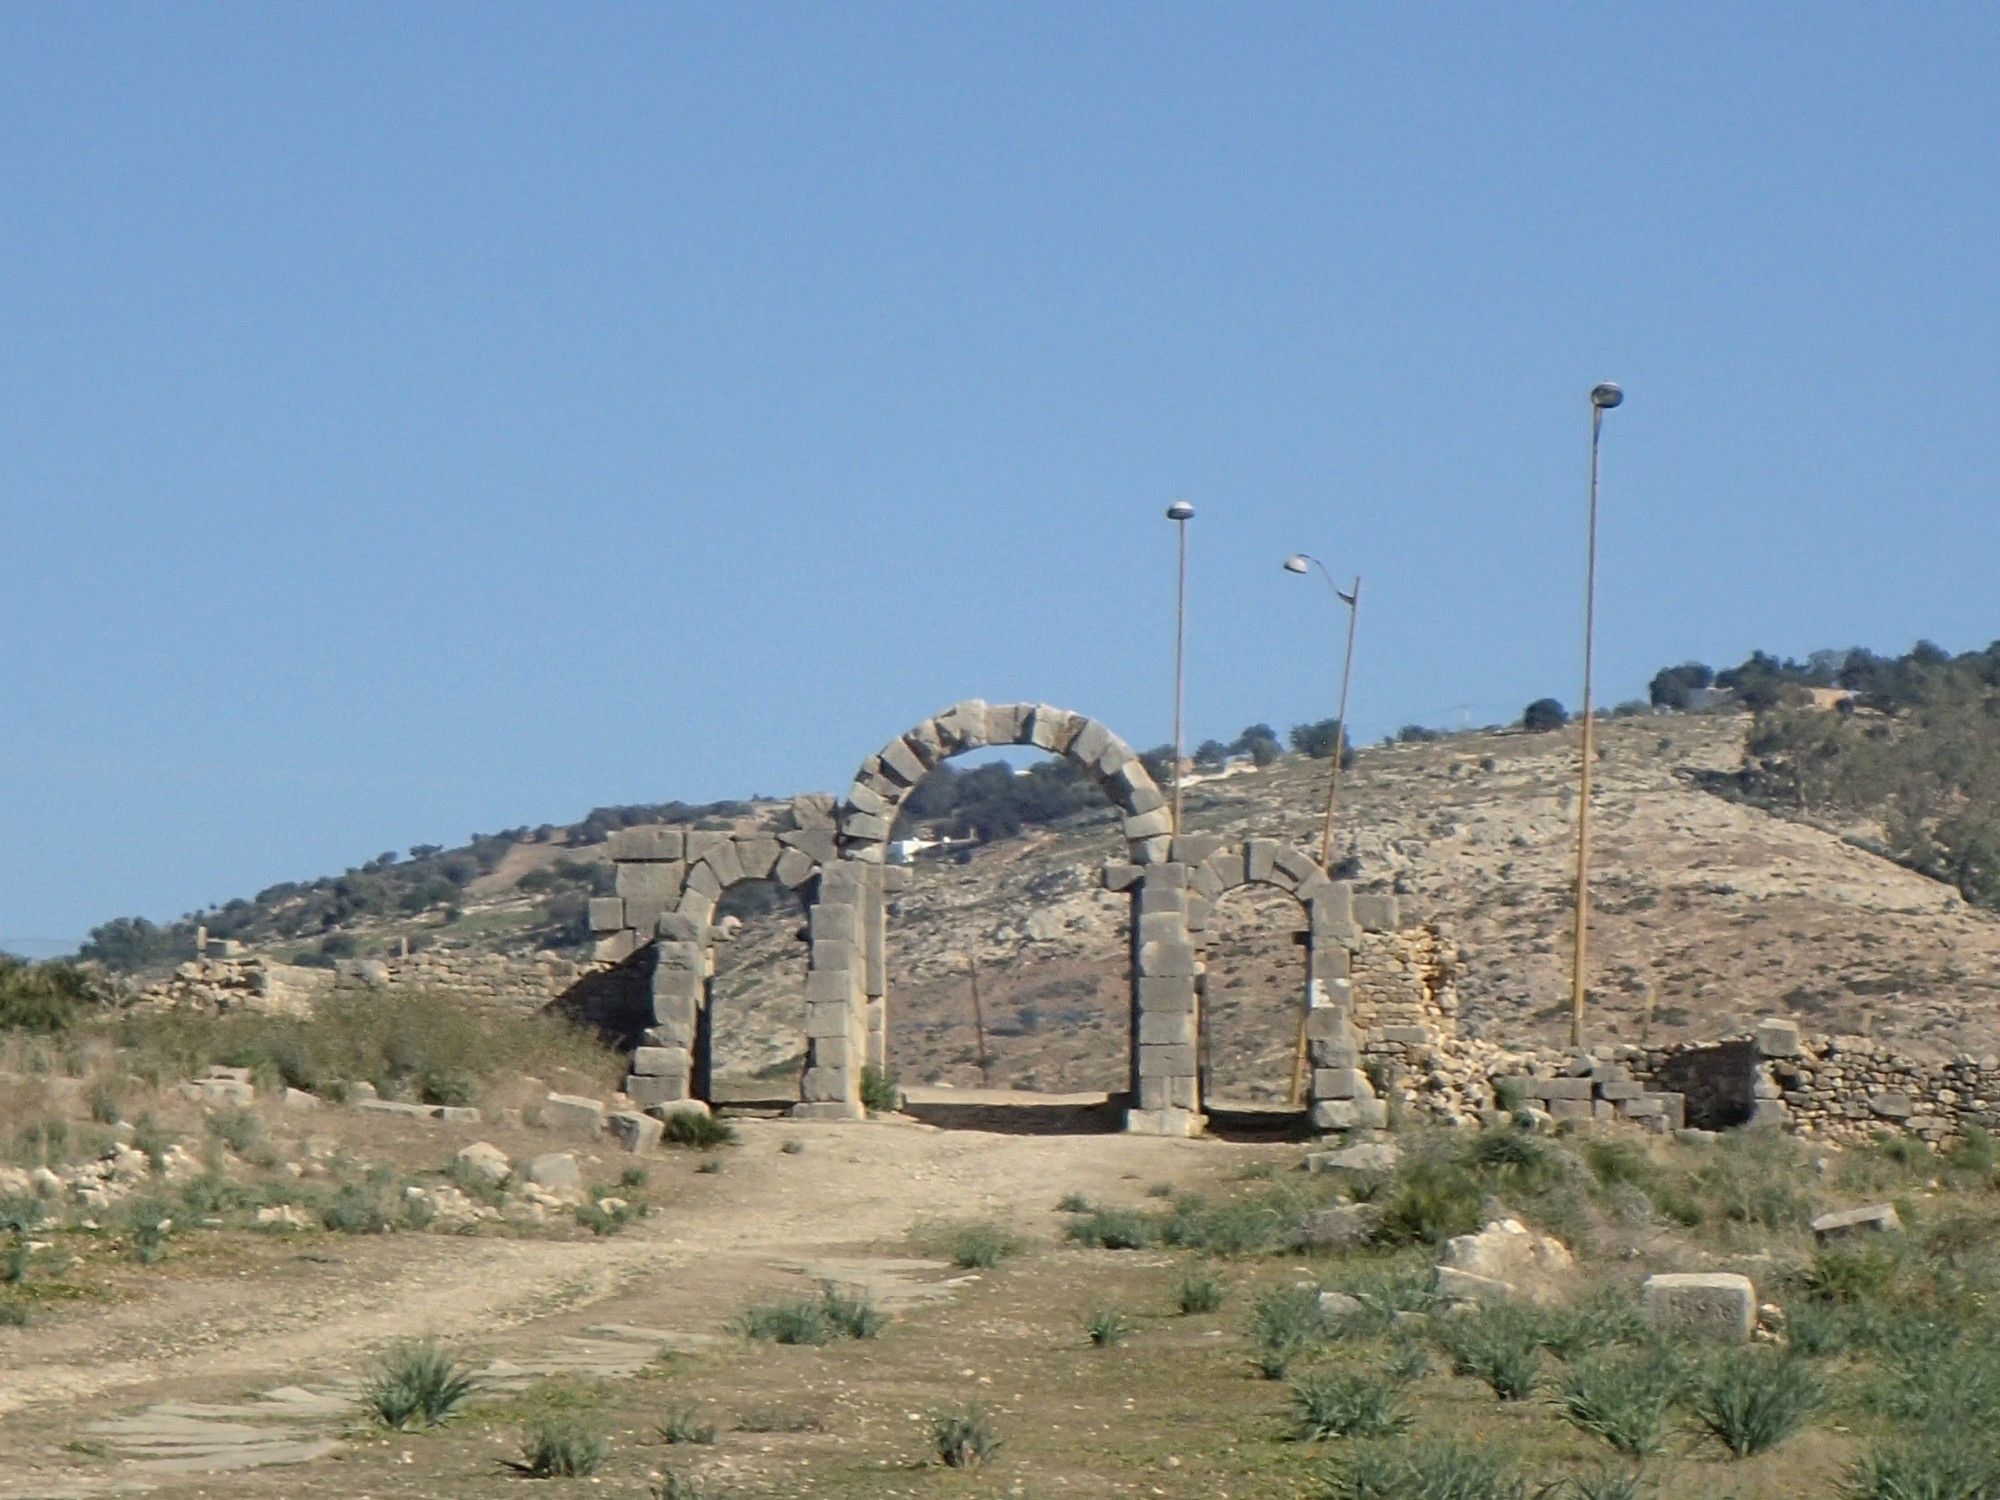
x: 849, y: 920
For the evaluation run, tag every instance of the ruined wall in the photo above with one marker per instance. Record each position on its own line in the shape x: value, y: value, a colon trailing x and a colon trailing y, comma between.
x: 526, y: 982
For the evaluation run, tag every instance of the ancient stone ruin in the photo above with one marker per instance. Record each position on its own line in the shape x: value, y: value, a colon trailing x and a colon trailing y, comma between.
x: 835, y: 857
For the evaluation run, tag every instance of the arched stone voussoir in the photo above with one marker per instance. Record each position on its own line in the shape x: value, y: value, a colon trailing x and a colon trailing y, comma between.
x: 886, y: 778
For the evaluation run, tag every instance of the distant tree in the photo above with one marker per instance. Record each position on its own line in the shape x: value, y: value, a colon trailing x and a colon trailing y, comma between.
x: 40, y: 997
x: 128, y: 944
x: 425, y: 851
x: 1260, y: 743
x: 1671, y: 686
x: 1159, y: 763
x: 1317, y: 739
x: 1544, y: 714
x: 1211, y: 753
x: 1417, y: 734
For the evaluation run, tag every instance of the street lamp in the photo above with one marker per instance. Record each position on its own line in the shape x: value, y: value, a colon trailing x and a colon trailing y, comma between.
x: 1180, y: 513
x: 1603, y: 397
x: 1304, y: 563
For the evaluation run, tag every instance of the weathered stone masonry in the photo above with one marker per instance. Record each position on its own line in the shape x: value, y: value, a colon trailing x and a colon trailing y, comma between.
x: 834, y: 856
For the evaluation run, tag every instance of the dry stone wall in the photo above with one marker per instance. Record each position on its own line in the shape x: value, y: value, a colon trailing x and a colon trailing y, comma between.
x: 524, y: 983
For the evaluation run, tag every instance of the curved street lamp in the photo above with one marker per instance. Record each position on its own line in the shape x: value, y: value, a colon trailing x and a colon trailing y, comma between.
x: 1302, y: 562
x: 1603, y: 397
x: 1180, y: 513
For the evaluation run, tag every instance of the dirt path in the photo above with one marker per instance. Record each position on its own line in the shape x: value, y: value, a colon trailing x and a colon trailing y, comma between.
x: 317, y: 1314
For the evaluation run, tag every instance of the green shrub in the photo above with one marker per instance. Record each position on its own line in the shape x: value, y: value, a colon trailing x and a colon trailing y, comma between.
x: 1751, y: 1402
x: 1931, y: 1466
x: 560, y: 1445
x: 1436, y: 1469
x: 1500, y: 1345
x: 703, y: 1132
x: 683, y: 1424
x: 1432, y: 1201
x: 13, y: 1313
x: 1243, y: 1226
x: 1596, y: 1322
x: 852, y: 1312
x: 41, y: 998
x: 1114, y: 1229
x: 1849, y: 1277
x: 236, y: 1128
x: 1341, y: 1403
x: 1200, y: 1290
x: 963, y: 1438
x: 1072, y: 1203
x: 1284, y: 1324
x: 416, y: 1384
x: 1624, y: 1401
x: 106, y: 1100
x: 880, y: 1093
x: 355, y: 1210
x: 148, y: 1221
x: 1513, y: 1160
x: 449, y: 1086
x: 600, y: 1220
x: 982, y: 1246
x: 1107, y: 1327
x: 802, y: 1321
x: 675, y: 1486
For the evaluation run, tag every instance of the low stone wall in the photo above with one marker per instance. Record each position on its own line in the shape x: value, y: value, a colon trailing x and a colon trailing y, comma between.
x: 520, y: 983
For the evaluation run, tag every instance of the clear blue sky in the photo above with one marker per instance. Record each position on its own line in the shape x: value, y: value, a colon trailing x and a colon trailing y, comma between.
x: 426, y: 419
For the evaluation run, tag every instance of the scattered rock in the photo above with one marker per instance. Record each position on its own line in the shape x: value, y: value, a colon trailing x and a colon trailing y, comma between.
x: 1701, y: 1304
x: 1339, y: 1227
x: 298, y: 1099
x: 573, y: 1113
x: 485, y: 1161
x: 1380, y: 1156
x: 1505, y: 1259
x: 557, y: 1171
x: 1339, y: 1305
x: 1878, y: 1218
x: 284, y: 1216
x: 634, y: 1131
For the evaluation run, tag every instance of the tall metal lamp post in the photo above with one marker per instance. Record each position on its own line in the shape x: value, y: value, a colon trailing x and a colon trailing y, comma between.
x: 1603, y: 397
x: 1304, y: 563
x: 1180, y: 513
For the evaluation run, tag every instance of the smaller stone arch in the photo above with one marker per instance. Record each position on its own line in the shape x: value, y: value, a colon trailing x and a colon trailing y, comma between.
x: 1339, y: 1093
x: 887, y: 777
x: 683, y: 937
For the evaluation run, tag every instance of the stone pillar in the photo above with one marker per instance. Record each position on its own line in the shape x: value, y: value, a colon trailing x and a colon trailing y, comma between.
x: 836, y: 996
x: 1341, y: 1096
x: 1165, y: 1021
x: 664, y: 1067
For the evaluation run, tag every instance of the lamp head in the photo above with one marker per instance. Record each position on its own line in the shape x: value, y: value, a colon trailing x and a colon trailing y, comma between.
x: 1180, y: 510
x: 1605, y: 396
x: 1298, y: 563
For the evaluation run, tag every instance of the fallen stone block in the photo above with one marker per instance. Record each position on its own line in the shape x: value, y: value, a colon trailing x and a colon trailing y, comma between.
x: 484, y: 1161
x: 830, y: 1110
x: 1877, y: 1218
x: 667, y: 1109
x: 557, y: 1170
x: 1168, y: 1122
x: 298, y: 1099
x: 1701, y: 1304
x: 397, y: 1107
x: 1508, y: 1252
x: 1468, y: 1286
x: 1340, y: 1227
x: 573, y: 1112
x: 458, y: 1114
x: 1350, y: 1114
x: 218, y: 1092
x: 634, y: 1131
x: 1373, y: 1156
x: 1777, y: 1038
x: 1333, y: 1305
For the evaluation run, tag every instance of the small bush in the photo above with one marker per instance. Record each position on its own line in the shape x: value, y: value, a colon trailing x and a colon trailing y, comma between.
x: 1341, y: 1403
x: 1932, y: 1466
x: 982, y: 1246
x: 964, y: 1438
x: 1107, y: 1327
x: 1433, y: 1201
x: 1242, y: 1227
x: 602, y: 1220
x: 1072, y: 1203
x: 106, y: 1100
x: 1114, y: 1229
x: 674, y: 1486
x: 1751, y: 1402
x: 852, y: 1312
x: 1439, y: 1469
x: 1200, y: 1290
x: 1514, y: 1160
x: 148, y: 1221
x: 709, y: 1164
x: 880, y: 1093
x: 13, y: 1313
x: 237, y: 1129
x: 1284, y: 1325
x: 1625, y: 1402
x: 798, y: 1322
x: 703, y: 1132
x: 1500, y: 1345
x: 355, y: 1210
x: 562, y: 1446
x: 683, y: 1424
x: 416, y: 1385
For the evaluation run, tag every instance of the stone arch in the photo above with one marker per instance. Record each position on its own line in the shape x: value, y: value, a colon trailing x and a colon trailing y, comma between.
x: 849, y: 921
x: 683, y: 937
x: 888, y: 776
x: 1339, y: 1093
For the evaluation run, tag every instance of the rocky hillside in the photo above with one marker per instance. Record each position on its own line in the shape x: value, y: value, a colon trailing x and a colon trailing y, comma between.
x: 1707, y: 911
